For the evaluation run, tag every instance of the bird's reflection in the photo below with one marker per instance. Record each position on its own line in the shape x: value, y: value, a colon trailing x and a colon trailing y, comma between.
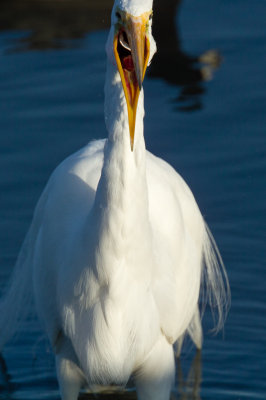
x: 189, y: 387
x: 58, y: 24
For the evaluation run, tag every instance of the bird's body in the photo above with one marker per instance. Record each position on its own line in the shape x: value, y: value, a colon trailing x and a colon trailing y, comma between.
x: 115, y: 255
x: 143, y: 219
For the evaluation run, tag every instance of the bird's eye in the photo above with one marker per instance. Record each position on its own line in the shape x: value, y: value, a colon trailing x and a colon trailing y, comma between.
x: 118, y: 15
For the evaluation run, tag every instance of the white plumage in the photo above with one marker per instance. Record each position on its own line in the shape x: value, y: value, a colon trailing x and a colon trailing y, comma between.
x: 116, y: 250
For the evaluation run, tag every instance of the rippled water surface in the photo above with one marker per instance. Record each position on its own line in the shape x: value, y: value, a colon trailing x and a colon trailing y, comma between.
x: 212, y: 131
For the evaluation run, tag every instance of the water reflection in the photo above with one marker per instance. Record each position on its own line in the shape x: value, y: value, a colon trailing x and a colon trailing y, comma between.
x: 189, y: 388
x: 6, y: 388
x: 53, y: 24
x: 58, y: 24
x: 173, y: 64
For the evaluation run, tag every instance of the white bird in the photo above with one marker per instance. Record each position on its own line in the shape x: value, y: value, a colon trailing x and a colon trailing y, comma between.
x: 118, y: 249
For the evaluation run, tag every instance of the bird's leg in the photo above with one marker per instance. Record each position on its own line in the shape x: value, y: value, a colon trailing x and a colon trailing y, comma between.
x: 70, y: 376
x: 155, y: 376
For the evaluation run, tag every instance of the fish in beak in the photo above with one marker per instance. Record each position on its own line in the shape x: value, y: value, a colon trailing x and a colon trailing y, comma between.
x: 132, y: 51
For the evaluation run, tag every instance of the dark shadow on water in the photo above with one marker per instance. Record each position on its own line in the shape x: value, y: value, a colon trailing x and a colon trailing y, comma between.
x: 58, y: 24
x: 53, y: 23
x: 173, y: 64
x: 6, y: 387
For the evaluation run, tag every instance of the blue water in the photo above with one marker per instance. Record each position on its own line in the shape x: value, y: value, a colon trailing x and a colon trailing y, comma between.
x: 51, y: 104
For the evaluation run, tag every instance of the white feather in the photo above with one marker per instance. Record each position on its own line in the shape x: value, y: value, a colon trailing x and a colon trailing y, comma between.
x: 115, y: 256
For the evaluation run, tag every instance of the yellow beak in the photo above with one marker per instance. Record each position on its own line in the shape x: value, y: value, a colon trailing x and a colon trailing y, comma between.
x: 132, y: 50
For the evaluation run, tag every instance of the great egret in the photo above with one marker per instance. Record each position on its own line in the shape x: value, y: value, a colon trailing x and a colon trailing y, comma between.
x: 116, y: 249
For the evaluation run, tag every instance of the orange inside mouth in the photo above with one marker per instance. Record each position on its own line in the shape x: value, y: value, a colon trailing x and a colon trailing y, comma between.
x: 127, y: 64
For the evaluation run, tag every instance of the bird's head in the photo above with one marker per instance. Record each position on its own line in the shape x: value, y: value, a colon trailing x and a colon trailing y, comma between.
x: 132, y: 49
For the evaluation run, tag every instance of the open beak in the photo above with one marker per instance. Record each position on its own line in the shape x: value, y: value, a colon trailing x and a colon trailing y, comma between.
x: 132, y: 50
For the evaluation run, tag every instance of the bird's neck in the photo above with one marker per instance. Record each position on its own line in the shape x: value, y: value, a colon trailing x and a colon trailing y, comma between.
x: 124, y: 171
x: 121, y: 202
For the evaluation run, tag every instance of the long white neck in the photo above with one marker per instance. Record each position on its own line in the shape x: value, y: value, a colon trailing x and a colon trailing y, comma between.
x: 121, y: 204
